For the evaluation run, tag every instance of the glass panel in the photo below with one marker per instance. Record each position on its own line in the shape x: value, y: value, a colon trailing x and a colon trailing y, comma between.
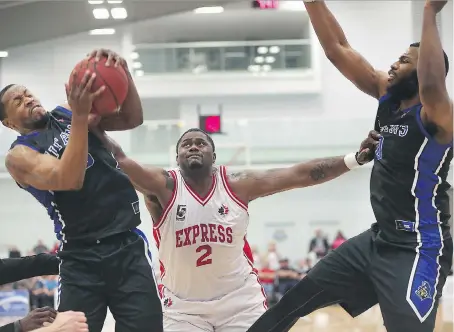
x: 157, y: 60
x: 297, y: 56
x: 199, y: 58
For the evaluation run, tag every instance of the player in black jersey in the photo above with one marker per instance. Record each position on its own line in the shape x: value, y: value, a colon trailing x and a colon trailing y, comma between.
x: 104, y: 258
x: 402, y: 262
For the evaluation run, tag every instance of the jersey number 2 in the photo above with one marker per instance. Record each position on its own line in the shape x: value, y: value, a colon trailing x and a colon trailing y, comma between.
x: 204, y: 259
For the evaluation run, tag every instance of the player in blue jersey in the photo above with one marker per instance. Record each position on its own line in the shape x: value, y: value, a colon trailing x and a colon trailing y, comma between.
x: 402, y: 262
x: 105, y: 260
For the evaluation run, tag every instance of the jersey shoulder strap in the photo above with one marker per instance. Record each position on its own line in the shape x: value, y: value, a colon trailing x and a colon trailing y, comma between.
x: 61, y: 113
x: 31, y: 141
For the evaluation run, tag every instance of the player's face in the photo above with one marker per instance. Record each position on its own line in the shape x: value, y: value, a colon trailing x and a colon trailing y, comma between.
x: 23, y: 110
x: 402, y: 76
x: 195, y: 152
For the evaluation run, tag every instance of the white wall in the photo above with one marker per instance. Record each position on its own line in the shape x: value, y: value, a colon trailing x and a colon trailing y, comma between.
x: 24, y: 220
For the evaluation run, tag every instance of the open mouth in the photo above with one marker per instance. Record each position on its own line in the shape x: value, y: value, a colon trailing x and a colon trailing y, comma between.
x: 391, y: 75
x: 34, y: 108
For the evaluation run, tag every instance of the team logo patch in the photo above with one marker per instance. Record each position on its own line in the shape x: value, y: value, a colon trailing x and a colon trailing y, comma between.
x: 424, y: 292
x: 223, y: 210
x: 167, y: 302
x: 181, y: 213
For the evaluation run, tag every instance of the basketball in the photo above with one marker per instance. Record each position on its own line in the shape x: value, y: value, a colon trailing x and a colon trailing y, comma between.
x: 114, y: 78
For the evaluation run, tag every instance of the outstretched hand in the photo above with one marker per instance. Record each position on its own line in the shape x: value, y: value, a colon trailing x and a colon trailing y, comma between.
x: 436, y: 5
x: 367, y: 149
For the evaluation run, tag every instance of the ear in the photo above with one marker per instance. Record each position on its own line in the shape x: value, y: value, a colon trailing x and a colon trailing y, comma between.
x: 214, y: 157
x: 176, y: 159
x: 7, y: 123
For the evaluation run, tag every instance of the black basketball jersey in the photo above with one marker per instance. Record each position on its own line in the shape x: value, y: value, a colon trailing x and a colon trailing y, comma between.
x: 107, y: 204
x: 408, y: 184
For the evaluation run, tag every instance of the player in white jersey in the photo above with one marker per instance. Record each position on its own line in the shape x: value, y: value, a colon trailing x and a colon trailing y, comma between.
x: 200, y: 215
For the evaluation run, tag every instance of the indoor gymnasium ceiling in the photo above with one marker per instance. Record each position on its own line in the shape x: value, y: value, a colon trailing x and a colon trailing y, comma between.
x: 29, y: 21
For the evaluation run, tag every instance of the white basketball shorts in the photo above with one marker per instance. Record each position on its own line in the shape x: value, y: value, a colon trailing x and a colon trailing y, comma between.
x: 234, y: 312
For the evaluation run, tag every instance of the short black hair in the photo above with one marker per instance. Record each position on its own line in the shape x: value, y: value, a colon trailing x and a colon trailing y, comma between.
x: 2, y: 106
x: 210, y: 140
x: 444, y: 55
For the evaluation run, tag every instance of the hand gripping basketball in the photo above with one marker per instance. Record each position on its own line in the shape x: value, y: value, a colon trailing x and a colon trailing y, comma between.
x: 80, y: 97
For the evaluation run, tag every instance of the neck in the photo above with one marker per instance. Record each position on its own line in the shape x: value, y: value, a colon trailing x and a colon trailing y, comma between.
x: 199, y: 180
x: 407, y: 103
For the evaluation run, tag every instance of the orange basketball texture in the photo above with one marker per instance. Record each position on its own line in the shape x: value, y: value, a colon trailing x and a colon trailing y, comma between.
x: 114, y: 78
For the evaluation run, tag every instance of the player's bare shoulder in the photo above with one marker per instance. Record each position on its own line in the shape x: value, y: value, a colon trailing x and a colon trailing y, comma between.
x: 169, y: 180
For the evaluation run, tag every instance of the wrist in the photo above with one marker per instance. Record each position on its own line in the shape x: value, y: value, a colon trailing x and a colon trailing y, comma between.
x: 17, y: 326
x: 79, y: 118
x: 350, y: 161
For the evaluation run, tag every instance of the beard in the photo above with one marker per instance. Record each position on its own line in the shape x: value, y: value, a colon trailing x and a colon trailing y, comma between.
x: 406, y: 88
x: 34, y: 124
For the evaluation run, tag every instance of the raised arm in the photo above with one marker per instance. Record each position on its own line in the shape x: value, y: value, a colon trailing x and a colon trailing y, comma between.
x: 150, y: 180
x: 337, y: 49
x: 44, y: 172
x: 130, y: 114
x: 437, y: 106
x: 250, y: 185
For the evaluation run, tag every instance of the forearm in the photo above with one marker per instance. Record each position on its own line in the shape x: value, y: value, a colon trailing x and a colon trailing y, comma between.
x: 73, y: 162
x: 131, y: 112
x: 318, y: 171
x: 431, y: 66
x: 15, y: 269
x: 327, y: 28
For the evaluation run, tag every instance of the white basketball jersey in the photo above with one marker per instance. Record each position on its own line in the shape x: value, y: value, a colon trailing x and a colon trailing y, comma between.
x: 203, y: 251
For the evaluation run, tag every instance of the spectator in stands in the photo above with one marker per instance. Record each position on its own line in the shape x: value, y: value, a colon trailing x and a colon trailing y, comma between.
x: 272, y: 256
x: 319, y: 244
x: 40, y: 248
x: 303, y: 267
x: 339, y: 239
x: 14, y: 252
x: 256, y: 257
x: 43, y: 290
x: 267, y: 278
x: 287, y: 277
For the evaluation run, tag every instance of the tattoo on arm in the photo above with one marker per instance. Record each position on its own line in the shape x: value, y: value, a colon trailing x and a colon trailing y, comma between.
x: 170, y: 182
x: 322, y: 168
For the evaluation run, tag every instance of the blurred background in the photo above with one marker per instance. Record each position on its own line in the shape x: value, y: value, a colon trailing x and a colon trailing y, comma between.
x: 251, y: 73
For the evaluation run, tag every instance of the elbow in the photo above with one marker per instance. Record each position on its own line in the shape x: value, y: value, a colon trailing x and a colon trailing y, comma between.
x: 138, y: 120
x: 135, y: 118
x: 334, y: 53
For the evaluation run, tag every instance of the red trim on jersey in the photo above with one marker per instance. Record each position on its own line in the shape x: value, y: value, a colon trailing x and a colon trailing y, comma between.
x: 250, y: 259
x: 170, y: 203
x: 229, y: 190
x: 197, y: 197
x: 157, y: 238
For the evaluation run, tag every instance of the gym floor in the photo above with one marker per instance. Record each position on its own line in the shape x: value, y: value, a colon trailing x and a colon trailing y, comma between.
x: 335, y: 319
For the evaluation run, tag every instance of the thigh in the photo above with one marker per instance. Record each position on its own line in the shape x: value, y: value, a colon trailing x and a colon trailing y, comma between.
x: 81, y: 288
x: 243, y: 319
x: 409, y: 285
x: 239, y: 309
x: 343, y: 273
x: 133, y: 296
x: 176, y: 322
x: 305, y: 297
